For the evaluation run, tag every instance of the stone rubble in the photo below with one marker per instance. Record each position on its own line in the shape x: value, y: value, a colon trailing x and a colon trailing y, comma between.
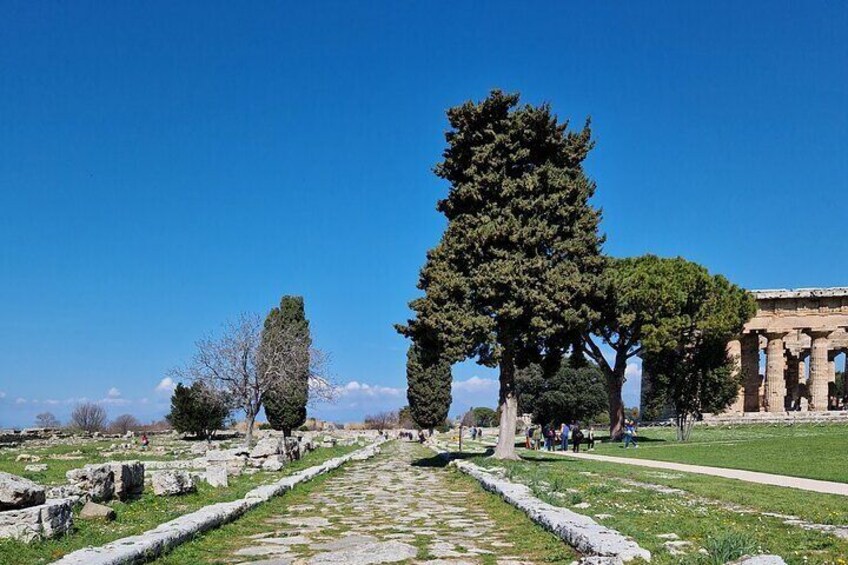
x: 171, y: 483
x: 18, y: 492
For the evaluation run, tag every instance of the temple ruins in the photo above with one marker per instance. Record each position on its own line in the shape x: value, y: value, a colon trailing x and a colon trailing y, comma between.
x: 789, y: 352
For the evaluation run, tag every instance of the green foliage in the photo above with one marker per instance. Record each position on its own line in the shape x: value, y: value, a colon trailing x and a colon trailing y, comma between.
x: 198, y: 409
x: 428, y: 377
x: 571, y: 393
x: 724, y: 547
x: 485, y: 417
x: 649, y: 304
x: 687, y: 356
x: 518, y: 266
x: 285, y: 401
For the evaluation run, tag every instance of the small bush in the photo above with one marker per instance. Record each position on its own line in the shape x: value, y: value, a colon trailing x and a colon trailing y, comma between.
x: 728, y: 546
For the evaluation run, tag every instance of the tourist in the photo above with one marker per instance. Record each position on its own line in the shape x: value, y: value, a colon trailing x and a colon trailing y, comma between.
x: 421, y: 438
x: 479, y: 433
x: 473, y: 433
x: 546, y: 431
x: 590, y: 438
x: 528, y: 437
x: 537, y: 438
x: 576, y: 437
x: 630, y: 434
x: 564, y: 430
x: 145, y: 443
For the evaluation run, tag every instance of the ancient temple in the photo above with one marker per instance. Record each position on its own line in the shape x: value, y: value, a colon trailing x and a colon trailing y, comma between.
x: 802, y: 332
x: 797, y: 337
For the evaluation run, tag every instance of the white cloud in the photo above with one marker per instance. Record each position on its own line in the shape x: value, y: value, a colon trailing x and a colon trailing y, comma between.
x: 2, y: 394
x: 166, y: 385
x: 475, y: 385
x: 20, y: 401
x: 357, y: 389
x: 51, y: 401
x: 113, y: 393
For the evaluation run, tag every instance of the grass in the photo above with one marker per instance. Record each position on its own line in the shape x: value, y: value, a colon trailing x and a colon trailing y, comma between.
x: 801, y: 450
x: 531, y: 542
x: 706, y: 515
x: 148, y: 511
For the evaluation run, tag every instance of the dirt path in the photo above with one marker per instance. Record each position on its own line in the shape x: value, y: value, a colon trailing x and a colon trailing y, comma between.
x: 814, y: 485
x: 384, y: 510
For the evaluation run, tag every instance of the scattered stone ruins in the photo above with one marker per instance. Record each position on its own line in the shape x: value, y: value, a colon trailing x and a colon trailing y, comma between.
x: 802, y: 332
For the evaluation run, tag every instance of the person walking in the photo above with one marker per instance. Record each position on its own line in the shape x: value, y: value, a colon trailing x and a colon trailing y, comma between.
x: 528, y: 436
x: 576, y: 437
x: 590, y: 438
x: 537, y: 438
x: 564, y: 430
x: 145, y: 443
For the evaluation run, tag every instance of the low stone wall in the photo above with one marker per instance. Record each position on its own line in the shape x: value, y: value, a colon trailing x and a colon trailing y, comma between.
x: 577, y: 530
x: 153, y: 543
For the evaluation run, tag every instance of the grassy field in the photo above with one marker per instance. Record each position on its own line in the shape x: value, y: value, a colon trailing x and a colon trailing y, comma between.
x: 148, y: 511
x: 812, y: 451
x: 531, y: 542
x: 720, y: 516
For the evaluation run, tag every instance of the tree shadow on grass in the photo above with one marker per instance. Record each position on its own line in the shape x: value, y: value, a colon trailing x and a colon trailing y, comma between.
x: 438, y: 461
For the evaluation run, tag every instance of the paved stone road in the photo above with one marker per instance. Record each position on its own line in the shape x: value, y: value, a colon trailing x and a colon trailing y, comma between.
x: 384, y: 510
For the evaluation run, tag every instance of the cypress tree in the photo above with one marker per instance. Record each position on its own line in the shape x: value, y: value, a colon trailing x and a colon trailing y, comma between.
x: 519, y: 263
x: 285, y: 401
x: 428, y: 390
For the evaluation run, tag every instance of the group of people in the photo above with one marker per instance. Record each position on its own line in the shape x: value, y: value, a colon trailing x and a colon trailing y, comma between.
x: 568, y: 434
x: 476, y: 432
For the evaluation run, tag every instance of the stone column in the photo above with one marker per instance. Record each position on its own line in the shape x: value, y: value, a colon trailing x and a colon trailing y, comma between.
x: 819, y: 369
x: 775, y: 379
x: 750, y: 359
x: 734, y: 353
x: 793, y: 372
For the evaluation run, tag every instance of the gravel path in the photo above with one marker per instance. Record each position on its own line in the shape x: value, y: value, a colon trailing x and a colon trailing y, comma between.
x: 826, y: 487
x: 384, y: 510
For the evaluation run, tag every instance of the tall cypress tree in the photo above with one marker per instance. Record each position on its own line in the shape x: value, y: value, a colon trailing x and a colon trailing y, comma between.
x: 428, y: 390
x: 285, y: 402
x: 518, y: 266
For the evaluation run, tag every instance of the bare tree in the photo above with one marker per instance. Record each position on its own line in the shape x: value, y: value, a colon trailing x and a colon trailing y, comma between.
x: 123, y: 424
x: 46, y: 420
x: 238, y: 364
x: 381, y: 421
x: 88, y: 417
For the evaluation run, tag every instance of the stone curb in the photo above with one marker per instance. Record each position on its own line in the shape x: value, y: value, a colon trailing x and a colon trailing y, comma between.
x: 153, y: 543
x: 577, y: 530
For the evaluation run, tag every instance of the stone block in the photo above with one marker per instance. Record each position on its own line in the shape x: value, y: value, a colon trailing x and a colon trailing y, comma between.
x: 216, y: 476
x: 48, y: 520
x: 97, y: 481
x: 18, y: 492
x: 274, y: 463
x: 36, y: 468
x: 266, y: 448
x: 129, y: 479
x: 94, y: 511
x: 169, y: 483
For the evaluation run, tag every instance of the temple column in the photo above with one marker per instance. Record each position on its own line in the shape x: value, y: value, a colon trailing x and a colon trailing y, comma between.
x: 793, y: 372
x: 775, y: 379
x: 819, y: 369
x: 734, y: 353
x: 750, y: 359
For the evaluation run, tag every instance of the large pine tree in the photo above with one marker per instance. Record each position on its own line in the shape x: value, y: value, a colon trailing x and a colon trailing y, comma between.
x: 518, y: 266
x: 285, y: 401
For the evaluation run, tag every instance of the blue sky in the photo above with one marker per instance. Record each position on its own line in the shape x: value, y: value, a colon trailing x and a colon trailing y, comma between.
x: 164, y: 167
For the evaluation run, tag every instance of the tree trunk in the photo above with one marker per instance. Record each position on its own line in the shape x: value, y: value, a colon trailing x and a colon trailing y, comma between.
x: 616, y: 404
x: 509, y: 410
x: 251, y: 419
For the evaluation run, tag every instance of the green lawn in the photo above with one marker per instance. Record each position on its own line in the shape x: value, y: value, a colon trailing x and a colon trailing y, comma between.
x: 806, y: 450
x: 711, y: 513
x: 147, y: 512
